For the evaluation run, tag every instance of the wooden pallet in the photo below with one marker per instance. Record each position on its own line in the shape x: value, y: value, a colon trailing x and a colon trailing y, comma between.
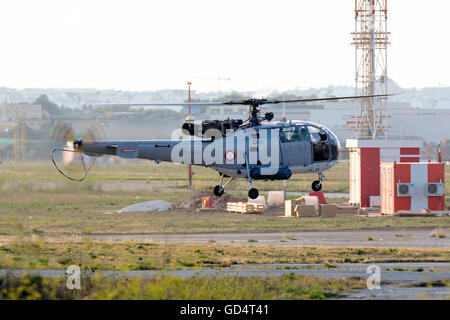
x: 245, y: 207
x: 345, y: 210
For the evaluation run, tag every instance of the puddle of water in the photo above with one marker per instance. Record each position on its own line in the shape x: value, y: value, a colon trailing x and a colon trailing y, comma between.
x: 390, y: 292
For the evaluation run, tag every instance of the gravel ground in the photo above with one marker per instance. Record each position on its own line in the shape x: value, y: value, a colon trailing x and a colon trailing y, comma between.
x: 369, y: 238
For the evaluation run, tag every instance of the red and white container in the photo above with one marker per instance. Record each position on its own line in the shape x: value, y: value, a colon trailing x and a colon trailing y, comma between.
x: 412, y: 186
x: 365, y: 159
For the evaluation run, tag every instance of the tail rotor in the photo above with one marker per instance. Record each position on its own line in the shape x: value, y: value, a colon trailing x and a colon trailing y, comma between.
x: 70, y: 149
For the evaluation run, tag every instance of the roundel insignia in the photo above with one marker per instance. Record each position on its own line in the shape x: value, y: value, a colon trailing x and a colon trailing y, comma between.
x: 230, y: 155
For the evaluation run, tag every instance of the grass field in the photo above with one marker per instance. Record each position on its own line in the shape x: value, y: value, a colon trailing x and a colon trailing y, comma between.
x: 123, y: 256
x: 35, y: 175
x: 35, y: 253
x: 70, y: 221
x: 36, y: 199
x: 40, y: 210
x: 215, y: 288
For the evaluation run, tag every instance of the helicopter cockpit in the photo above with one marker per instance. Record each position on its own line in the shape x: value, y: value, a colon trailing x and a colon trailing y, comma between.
x: 292, y: 134
x: 320, y: 144
x: 325, y: 144
x: 299, y: 139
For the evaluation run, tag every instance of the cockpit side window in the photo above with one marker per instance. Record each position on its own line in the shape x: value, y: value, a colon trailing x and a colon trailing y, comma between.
x: 319, y: 140
x: 297, y: 133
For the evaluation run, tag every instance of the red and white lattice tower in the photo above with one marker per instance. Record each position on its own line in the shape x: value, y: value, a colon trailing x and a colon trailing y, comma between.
x: 370, y: 39
x: 370, y: 148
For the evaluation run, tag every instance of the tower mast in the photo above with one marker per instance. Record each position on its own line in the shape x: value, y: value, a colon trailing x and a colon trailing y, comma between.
x: 370, y: 39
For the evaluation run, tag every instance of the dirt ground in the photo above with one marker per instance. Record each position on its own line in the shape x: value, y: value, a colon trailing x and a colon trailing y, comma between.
x: 47, y: 222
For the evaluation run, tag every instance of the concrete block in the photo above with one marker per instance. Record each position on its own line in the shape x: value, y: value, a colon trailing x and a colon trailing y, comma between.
x: 311, y: 201
x: 305, y: 210
x: 259, y: 200
x: 347, y: 210
x: 328, y: 210
x: 275, y: 198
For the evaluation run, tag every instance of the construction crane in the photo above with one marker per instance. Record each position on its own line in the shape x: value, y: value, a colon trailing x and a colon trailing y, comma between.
x: 20, y: 137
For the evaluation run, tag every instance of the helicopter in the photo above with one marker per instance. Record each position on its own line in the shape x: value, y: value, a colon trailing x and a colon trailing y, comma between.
x: 254, y: 149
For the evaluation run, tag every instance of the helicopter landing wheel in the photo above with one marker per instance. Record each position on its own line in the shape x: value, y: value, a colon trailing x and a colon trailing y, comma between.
x: 219, y: 191
x: 316, y: 185
x: 253, y: 193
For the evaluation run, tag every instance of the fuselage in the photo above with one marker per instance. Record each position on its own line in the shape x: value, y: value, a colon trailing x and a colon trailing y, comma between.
x: 272, y: 151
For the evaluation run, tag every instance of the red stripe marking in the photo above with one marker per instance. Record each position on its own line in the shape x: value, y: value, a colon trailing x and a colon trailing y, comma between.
x: 402, y: 173
x: 410, y: 159
x: 127, y: 150
x: 370, y: 174
x: 410, y: 151
x: 436, y: 173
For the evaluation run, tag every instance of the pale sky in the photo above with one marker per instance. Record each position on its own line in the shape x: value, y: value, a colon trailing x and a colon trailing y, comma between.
x: 150, y: 45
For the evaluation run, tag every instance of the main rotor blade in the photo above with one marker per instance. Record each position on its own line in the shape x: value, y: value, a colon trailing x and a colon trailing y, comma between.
x: 175, y: 104
x: 331, y: 98
x: 237, y: 102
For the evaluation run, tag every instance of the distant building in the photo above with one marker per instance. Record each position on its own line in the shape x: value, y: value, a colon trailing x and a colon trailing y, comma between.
x: 10, y: 114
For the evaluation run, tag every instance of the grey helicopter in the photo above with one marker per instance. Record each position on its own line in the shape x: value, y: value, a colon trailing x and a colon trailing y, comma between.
x: 257, y: 148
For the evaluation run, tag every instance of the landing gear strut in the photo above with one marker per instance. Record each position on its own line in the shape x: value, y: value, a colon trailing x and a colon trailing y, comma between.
x: 317, y: 184
x: 253, y: 193
x: 219, y: 190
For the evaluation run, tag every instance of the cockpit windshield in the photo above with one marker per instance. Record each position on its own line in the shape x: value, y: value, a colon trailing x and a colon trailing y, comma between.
x: 334, y: 146
x: 325, y: 144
